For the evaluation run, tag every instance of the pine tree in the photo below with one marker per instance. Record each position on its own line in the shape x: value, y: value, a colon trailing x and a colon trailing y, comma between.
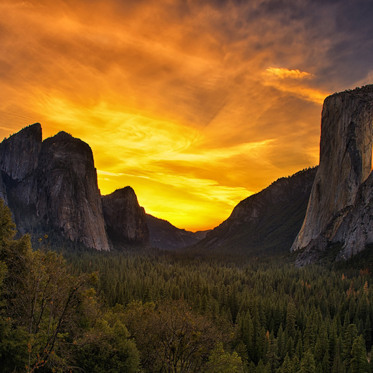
x: 291, y: 319
x: 308, y: 363
x: 287, y: 366
x: 359, y: 363
x: 348, y: 340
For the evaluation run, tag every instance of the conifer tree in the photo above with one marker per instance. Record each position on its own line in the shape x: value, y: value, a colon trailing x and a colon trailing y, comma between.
x: 308, y: 363
x: 359, y: 363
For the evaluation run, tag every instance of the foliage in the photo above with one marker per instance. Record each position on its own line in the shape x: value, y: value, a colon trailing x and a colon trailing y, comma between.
x: 45, y: 309
x: 221, y: 361
x: 126, y: 312
x: 276, y: 317
x: 13, y: 341
x: 105, y: 346
x: 171, y: 336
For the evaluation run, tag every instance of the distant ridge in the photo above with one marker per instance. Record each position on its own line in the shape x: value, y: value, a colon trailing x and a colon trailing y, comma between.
x: 265, y: 223
x: 166, y: 236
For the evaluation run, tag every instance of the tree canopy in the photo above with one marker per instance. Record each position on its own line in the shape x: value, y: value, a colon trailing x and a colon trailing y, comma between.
x: 161, y: 312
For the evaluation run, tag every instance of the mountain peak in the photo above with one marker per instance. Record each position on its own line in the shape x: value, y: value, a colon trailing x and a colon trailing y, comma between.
x: 63, y: 135
x: 125, y: 191
x: 125, y: 219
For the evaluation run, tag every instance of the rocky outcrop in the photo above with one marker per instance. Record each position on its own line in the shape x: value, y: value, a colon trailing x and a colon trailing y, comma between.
x: 127, y: 225
x: 345, y: 165
x: 19, y: 156
x: 165, y: 236
x: 125, y: 219
x: 52, y: 186
x: 20, y: 152
x: 68, y: 197
x: 264, y: 223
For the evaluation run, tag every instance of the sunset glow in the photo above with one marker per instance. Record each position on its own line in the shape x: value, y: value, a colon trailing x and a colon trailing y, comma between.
x: 196, y: 105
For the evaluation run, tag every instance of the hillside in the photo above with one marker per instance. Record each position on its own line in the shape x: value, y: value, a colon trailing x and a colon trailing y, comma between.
x: 264, y: 223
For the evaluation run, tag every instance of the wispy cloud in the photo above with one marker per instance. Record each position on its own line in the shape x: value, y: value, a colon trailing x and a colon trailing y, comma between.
x: 283, y: 73
x: 291, y: 81
x: 193, y: 104
x: 107, y: 173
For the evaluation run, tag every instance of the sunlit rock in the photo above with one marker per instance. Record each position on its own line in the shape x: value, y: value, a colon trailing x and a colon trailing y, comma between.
x: 345, y: 165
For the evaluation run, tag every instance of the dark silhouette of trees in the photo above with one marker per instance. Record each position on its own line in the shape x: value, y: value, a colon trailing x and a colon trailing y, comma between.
x: 159, y: 312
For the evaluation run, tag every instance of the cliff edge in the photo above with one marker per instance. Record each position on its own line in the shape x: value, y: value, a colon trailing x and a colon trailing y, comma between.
x: 341, y: 191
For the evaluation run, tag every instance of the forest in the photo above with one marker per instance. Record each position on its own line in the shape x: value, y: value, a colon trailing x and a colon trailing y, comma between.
x: 88, y: 311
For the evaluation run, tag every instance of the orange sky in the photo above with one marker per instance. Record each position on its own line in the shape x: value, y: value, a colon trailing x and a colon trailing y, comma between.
x: 196, y: 105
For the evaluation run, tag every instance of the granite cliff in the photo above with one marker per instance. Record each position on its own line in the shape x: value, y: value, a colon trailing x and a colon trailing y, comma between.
x: 340, y: 205
x: 356, y: 230
x: 265, y: 223
x: 51, y: 186
x: 68, y: 197
x: 19, y: 153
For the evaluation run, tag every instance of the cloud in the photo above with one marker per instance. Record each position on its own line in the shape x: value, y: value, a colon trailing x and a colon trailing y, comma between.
x: 107, y: 173
x: 368, y: 79
x: 283, y: 73
x: 197, y: 103
x: 283, y: 80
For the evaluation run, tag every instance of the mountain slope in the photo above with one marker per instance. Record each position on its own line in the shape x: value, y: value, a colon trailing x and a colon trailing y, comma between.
x: 264, y: 223
x: 125, y: 219
x: 165, y: 236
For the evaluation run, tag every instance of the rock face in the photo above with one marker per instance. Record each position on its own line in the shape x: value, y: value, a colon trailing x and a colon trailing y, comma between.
x: 68, y: 197
x: 356, y: 230
x: 19, y: 153
x: 19, y: 156
x: 341, y: 188
x: 164, y: 235
x: 125, y: 219
x: 52, y: 186
x: 264, y: 223
x: 3, y: 193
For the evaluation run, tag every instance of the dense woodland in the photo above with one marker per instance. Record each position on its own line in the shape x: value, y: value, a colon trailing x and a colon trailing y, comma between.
x: 163, y: 312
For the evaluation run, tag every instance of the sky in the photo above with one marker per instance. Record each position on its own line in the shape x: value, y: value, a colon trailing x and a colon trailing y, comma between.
x: 195, y: 104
